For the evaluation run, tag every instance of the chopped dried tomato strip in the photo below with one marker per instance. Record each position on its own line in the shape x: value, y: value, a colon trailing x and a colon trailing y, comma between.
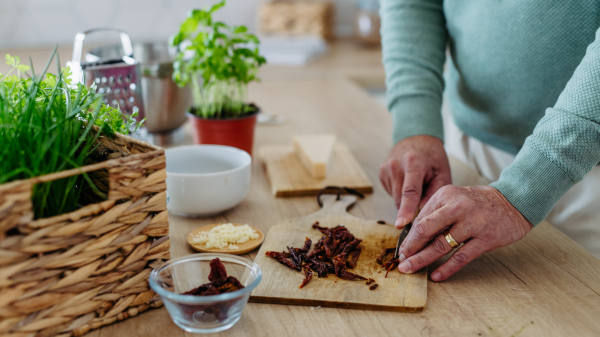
x: 353, y: 259
x: 307, y: 275
x: 217, y: 270
x: 391, y: 264
x: 384, y: 253
x: 281, y: 259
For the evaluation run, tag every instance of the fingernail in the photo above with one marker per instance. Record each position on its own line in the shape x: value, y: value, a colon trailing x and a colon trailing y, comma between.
x: 401, y: 257
x: 436, y: 276
x: 400, y: 222
x: 404, y: 267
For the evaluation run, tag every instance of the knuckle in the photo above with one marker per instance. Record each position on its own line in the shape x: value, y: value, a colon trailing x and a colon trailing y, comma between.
x: 419, y: 261
x: 411, y: 158
x: 406, y: 249
x: 438, y: 246
x: 410, y: 191
x: 460, y: 258
x: 421, y: 230
x: 394, y: 165
x: 445, y: 190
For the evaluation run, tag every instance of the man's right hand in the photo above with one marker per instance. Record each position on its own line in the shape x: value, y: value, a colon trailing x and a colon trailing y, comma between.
x: 415, y: 169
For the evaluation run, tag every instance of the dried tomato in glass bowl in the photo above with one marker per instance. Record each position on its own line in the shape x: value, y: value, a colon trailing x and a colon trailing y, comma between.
x: 205, y: 293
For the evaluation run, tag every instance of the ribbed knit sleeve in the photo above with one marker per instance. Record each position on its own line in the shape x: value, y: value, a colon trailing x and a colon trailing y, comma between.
x: 564, y: 146
x: 414, y: 39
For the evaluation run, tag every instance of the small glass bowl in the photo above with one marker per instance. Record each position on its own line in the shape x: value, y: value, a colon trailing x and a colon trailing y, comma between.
x: 203, y: 314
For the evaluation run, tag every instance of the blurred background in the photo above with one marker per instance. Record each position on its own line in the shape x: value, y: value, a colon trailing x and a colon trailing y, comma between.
x: 300, y: 39
x: 46, y: 22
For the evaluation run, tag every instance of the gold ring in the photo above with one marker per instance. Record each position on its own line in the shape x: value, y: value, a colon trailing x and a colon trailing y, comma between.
x: 450, y: 239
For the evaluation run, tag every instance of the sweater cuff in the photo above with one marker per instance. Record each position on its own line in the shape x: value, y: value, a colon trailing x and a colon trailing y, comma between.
x: 416, y: 115
x: 533, y: 184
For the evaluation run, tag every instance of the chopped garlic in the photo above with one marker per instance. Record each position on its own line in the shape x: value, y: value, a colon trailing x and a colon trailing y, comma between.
x: 225, y: 235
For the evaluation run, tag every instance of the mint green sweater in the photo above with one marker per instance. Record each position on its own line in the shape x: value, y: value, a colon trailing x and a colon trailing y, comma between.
x: 524, y: 76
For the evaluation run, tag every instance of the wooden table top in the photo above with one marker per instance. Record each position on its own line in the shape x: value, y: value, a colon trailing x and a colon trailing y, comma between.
x: 543, y: 285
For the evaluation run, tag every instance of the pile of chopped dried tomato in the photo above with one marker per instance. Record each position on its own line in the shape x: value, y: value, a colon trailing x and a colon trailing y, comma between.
x: 335, y: 252
x: 219, y: 283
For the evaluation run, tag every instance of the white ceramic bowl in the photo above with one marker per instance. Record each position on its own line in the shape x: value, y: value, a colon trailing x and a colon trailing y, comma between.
x: 204, y: 180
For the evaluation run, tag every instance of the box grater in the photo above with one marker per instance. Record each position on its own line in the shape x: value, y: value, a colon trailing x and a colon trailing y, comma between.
x: 118, y: 78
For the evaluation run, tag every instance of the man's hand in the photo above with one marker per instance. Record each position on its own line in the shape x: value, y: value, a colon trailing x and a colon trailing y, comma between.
x: 479, y: 216
x: 415, y: 169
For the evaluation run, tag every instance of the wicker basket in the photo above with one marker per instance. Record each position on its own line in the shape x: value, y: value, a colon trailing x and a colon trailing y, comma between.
x: 78, y: 271
x: 297, y: 18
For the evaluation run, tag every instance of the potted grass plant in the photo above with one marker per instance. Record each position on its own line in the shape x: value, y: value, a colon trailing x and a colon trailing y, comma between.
x: 218, y: 61
x: 47, y: 127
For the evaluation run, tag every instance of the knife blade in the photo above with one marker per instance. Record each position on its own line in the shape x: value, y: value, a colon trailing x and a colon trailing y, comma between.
x: 401, y: 238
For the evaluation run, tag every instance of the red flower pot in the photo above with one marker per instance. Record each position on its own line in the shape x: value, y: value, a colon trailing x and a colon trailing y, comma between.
x: 237, y: 132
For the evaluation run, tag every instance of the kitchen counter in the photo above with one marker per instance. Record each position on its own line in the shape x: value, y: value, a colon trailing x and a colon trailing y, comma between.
x: 543, y: 285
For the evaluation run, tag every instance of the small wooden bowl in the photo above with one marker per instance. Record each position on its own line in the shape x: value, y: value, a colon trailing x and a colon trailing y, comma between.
x: 243, y: 247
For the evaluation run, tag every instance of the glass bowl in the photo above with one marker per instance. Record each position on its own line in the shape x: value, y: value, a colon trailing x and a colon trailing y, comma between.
x: 203, y: 314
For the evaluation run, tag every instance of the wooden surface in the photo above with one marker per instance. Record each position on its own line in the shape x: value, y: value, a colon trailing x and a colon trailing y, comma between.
x: 544, y: 285
x: 397, y: 292
x: 288, y: 177
x: 243, y: 248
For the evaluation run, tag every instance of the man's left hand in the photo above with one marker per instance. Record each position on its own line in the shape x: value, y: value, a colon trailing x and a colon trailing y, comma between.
x: 478, y: 216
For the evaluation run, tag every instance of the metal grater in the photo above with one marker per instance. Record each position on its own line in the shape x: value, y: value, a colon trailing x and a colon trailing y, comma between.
x: 118, y: 78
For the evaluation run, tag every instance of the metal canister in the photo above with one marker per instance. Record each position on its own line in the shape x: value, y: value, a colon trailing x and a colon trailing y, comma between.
x: 165, y: 103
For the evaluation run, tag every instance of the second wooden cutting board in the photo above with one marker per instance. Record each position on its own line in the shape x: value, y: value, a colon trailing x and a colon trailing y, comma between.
x: 279, y: 284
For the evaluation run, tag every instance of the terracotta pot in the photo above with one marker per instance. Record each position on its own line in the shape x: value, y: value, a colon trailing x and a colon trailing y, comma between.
x: 236, y: 132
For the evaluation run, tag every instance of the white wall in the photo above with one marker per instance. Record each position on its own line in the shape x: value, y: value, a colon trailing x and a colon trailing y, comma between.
x: 47, y: 22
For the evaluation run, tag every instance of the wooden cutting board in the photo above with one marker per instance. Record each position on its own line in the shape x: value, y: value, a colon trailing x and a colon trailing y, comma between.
x: 288, y: 177
x: 279, y: 284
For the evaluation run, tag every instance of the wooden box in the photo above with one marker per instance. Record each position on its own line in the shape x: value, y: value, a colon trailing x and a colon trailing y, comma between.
x: 78, y: 271
x: 280, y: 17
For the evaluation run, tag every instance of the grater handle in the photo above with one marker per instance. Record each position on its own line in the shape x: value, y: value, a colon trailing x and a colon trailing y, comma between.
x: 80, y: 37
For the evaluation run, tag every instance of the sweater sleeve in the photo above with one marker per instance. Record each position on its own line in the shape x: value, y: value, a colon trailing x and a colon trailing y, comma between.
x: 414, y: 40
x: 564, y: 146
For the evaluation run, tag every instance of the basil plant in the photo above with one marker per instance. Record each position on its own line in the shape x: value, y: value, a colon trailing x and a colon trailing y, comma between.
x: 219, y: 61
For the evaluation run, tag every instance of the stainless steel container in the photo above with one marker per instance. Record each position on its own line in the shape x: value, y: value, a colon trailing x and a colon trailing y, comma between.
x: 164, y: 102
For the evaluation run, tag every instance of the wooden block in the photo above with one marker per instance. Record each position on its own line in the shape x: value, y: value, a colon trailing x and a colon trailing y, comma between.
x: 288, y: 177
x: 397, y: 292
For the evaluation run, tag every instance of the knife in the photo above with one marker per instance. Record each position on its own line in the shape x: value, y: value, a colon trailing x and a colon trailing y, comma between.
x: 401, y: 238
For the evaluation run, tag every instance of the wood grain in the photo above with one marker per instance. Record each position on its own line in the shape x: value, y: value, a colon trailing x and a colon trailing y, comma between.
x: 243, y: 248
x: 397, y: 292
x: 546, y: 278
x: 288, y: 177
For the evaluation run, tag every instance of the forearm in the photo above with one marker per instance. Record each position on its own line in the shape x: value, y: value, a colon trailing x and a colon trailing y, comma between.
x: 414, y: 40
x: 564, y: 146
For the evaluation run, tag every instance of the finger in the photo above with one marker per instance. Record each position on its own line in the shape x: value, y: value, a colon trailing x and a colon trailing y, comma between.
x: 426, y: 229
x: 384, y: 178
x: 411, y: 196
x: 465, y: 254
x: 435, y: 250
x: 434, y: 185
x: 396, y: 182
